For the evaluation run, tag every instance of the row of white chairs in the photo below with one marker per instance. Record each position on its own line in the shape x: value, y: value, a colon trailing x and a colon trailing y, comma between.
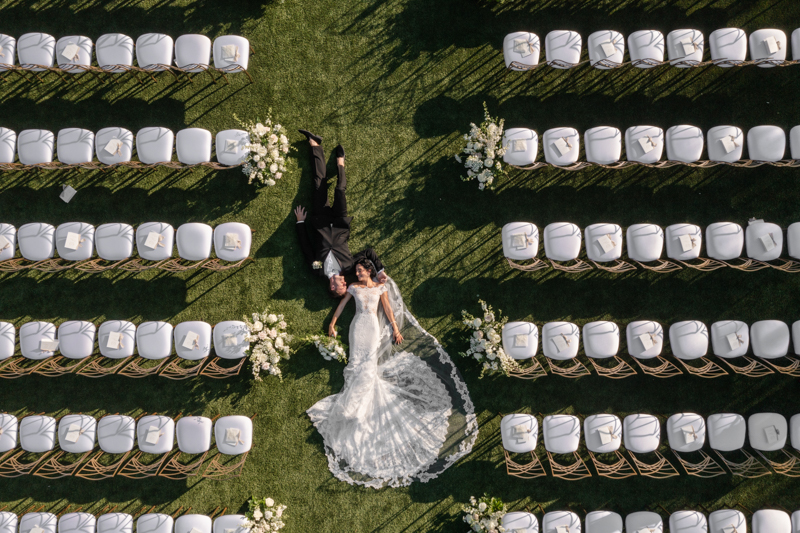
x: 604, y: 434
x: 762, y: 242
x: 684, y: 48
x: 68, y: 349
x: 77, y: 243
x: 76, y: 147
x: 155, y: 52
x: 684, y: 521
x: 81, y: 522
x: 117, y: 434
x: 645, y: 146
x: 688, y: 339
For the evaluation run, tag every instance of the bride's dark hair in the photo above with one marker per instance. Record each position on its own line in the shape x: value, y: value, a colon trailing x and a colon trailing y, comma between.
x: 367, y: 265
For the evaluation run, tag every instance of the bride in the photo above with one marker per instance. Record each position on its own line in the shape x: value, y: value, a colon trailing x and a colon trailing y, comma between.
x: 403, y: 415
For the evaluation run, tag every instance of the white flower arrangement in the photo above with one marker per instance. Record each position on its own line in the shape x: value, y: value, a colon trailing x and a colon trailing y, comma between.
x: 486, y: 344
x: 264, y: 515
x: 269, y: 343
x: 266, y: 161
x: 485, y: 514
x: 330, y: 348
x: 483, y: 151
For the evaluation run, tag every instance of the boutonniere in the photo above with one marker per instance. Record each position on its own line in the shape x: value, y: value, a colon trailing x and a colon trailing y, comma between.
x: 316, y: 265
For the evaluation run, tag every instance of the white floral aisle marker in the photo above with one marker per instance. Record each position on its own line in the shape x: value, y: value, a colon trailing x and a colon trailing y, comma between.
x: 486, y: 342
x: 329, y: 348
x: 485, y: 514
x: 269, y: 146
x: 269, y: 343
x: 264, y: 515
x: 483, y: 151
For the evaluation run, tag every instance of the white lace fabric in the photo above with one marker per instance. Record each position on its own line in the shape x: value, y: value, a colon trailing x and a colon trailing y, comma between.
x: 402, y: 416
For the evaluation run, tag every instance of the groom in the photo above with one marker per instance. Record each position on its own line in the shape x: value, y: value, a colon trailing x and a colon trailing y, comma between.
x: 328, y: 253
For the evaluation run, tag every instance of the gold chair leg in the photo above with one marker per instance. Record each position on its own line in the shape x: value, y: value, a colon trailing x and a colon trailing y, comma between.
x: 535, y: 370
x: 664, y: 370
x: 748, y: 265
x: 217, y: 470
x: 793, y: 369
x: 750, y: 468
x: 787, y: 265
x: 215, y: 371
x: 575, y: 371
x: 174, y: 371
x: 706, y: 468
x: 94, y: 470
x: 619, y: 267
x: 621, y: 370
x: 530, y: 470
x: 217, y: 265
x: 52, y: 367
x: 135, y: 469
x: 753, y: 369
x: 13, y: 467
x: 136, y: 370
x: 573, y: 472
x: 705, y: 265
x: 13, y: 369
x: 53, y: 468
x: 93, y: 368
x: 662, y: 267
x: 174, y: 469
x: 578, y: 266
x: 708, y: 370
x: 620, y: 470
x: 790, y: 467
x: 661, y: 469
x: 537, y: 264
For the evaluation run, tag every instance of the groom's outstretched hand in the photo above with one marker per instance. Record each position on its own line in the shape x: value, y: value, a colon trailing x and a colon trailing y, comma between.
x: 300, y: 213
x: 381, y: 277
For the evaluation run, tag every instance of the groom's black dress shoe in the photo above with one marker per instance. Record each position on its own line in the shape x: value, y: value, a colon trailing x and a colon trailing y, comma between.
x: 316, y: 138
x: 340, y: 151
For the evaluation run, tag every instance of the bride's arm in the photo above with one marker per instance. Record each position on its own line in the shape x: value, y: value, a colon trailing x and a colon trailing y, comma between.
x: 339, y: 309
x: 387, y: 308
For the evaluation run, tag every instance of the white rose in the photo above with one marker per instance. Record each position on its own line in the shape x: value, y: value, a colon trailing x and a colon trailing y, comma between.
x: 261, y: 150
x: 272, y: 318
x: 481, y: 177
x: 261, y: 129
x: 491, y: 357
x: 258, y: 326
x: 256, y: 158
x: 489, y: 162
x: 279, y: 511
x: 283, y: 139
x: 270, y: 182
x: 262, y: 165
x: 477, y: 322
x: 268, y: 515
x: 257, y: 514
x: 481, y: 507
x: 273, y: 168
x: 278, y: 175
x: 279, y: 343
x: 269, y: 502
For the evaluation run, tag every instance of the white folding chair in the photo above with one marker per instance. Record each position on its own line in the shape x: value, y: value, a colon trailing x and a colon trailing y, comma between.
x: 36, y: 52
x: 560, y: 342
x: 37, y: 435
x: 115, y: 436
x: 558, y: 521
x: 601, y: 342
x: 521, y: 50
x: 193, y: 523
x: 768, y: 48
x: 35, y: 147
x: 74, y: 146
x: 684, y: 143
x: 519, y: 434
x: 644, y: 144
x: 155, y: 435
x: 8, y: 437
x: 727, y: 520
x: 114, y: 244
x: 153, y: 343
x: 35, y: 344
x: 728, y: 47
x: 154, y: 53
x: 521, y: 243
x: 688, y: 522
x: 725, y: 241
x: 726, y: 433
x: 75, y: 241
x: 771, y: 521
x: 606, y: 49
x: 8, y: 145
x: 689, y: 342
x: 730, y: 339
x: 192, y: 343
x: 8, y: 248
x: 155, y: 241
x: 766, y: 143
x: 230, y: 344
x: 37, y: 243
x: 114, y: 145
x: 520, y: 522
x: 194, y: 438
x: 8, y: 49
x: 725, y: 144
x: 76, y: 435
x: 231, y: 147
x: 770, y: 340
x: 603, y: 435
x: 232, y: 243
x: 77, y: 522
x: 562, y: 243
x: 234, y: 437
x: 642, y: 435
x: 231, y: 54
x: 645, y: 245
x: 561, y: 146
x: 603, y: 244
x: 796, y: 44
x: 646, y: 48
x: 8, y: 342
x: 645, y: 340
x: 521, y: 342
x: 193, y: 54
x: 603, y: 522
x: 114, y: 52
x: 603, y: 145
x: 644, y: 520
x: 45, y: 521
x: 154, y: 523
x: 155, y: 145
x: 115, y: 523
x: 685, y: 48
x: 74, y: 54
x: 763, y: 242
x: 115, y: 339
x: 194, y: 241
x: 684, y: 242
x: 522, y: 146
x: 230, y: 523
x: 193, y: 146
x: 562, y: 49
x: 76, y: 343
x: 768, y: 432
x: 794, y: 142
x: 686, y: 433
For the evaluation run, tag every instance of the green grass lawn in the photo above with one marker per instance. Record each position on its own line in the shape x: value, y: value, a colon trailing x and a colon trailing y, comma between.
x: 396, y: 82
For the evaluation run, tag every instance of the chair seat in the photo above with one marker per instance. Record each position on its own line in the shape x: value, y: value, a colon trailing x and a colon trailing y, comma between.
x: 193, y: 523
x: 759, y: 47
x: 600, y: 339
x: 603, y: 522
x: 760, y: 425
x: 35, y: 147
x: 232, y: 147
x: 598, y: 44
x: 31, y: 335
x: 792, y: 240
x: 608, y: 424
x: 566, y: 331
x: 8, y: 47
x: 726, y: 431
x: 726, y: 346
x: 154, y: 145
x: 794, y: 431
x: 552, y: 520
x: 520, y: 240
x: 8, y: 143
x: 224, y: 60
x: 123, y: 349
x: 239, y: 232
x: 724, y: 138
x: 245, y: 441
x: 113, y: 49
x: 82, y: 56
x: 9, y: 232
x: 193, y: 146
x: 728, y: 43
x: 8, y: 438
x: 676, y: 245
x: 84, y: 427
x: 724, y: 241
x: 766, y: 143
x: 199, y: 350
x: 8, y: 339
x: 115, y: 433
x: 522, y: 146
x: 76, y: 339
x: 230, y: 339
x: 115, y: 523
x: 770, y: 338
x: 515, y: 52
x: 163, y: 248
x: 688, y: 339
x: 771, y: 521
x: 85, y: 244
x: 77, y: 523
x: 691, y: 53
x: 163, y: 427
x: 154, y: 523
x: 646, y: 44
x: 724, y: 519
x: 562, y: 241
x: 154, y: 51
x: 114, y: 242
x: 520, y: 522
x: 642, y: 433
x: 230, y: 523
x: 796, y: 45
x: 520, y: 340
x: 114, y: 145
x: 45, y: 521
x: 684, y: 143
x: 562, y: 433
x: 194, y: 241
x: 686, y: 432
x: 194, y: 434
x: 636, y: 344
x: 563, y: 45
x: 75, y: 146
x: 552, y: 154
x: 640, y: 520
x: 795, y: 336
x: 644, y: 144
x: 603, y: 145
x: 688, y: 522
x: 645, y: 242
x: 37, y: 433
x: 192, y: 52
x: 519, y: 432
x: 594, y: 250
x: 36, y: 51
x: 756, y: 248
x: 154, y: 340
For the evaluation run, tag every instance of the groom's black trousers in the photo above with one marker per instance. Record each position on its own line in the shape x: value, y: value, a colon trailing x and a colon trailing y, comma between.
x: 321, y: 202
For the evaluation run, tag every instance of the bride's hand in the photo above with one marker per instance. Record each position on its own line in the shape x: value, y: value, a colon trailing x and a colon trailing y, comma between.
x: 332, y: 330
x: 398, y: 338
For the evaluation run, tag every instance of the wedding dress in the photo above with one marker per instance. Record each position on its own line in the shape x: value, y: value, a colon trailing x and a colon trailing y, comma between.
x: 402, y: 415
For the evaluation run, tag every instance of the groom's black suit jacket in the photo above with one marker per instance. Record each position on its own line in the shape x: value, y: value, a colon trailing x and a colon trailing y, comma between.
x: 330, y: 234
